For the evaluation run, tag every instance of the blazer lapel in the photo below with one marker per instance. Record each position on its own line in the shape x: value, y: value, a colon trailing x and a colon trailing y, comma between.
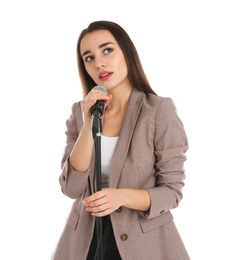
x: 121, y: 150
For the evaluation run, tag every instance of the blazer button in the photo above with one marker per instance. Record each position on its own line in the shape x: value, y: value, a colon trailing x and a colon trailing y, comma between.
x: 63, y: 178
x: 161, y: 212
x: 119, y: 210
x: 124, y: 237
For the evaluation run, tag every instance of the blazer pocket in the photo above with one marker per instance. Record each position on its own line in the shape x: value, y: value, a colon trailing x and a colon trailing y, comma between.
x: 73, y: 219
x: 148, y: 225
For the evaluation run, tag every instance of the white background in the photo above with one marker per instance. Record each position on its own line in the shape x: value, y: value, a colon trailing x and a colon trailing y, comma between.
x: 189, y: 52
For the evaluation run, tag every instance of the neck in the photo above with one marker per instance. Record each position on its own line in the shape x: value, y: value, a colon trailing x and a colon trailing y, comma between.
x: 120, y: 97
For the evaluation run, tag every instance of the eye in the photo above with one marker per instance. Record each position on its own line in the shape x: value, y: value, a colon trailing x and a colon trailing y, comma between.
x: 108, y: 50
x: 88, y: 58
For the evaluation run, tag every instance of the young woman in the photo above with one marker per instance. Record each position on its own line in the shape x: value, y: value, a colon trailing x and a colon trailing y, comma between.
x: 143, y: 146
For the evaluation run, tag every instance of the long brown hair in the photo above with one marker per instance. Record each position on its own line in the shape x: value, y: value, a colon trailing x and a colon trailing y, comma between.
x: 136, y: 72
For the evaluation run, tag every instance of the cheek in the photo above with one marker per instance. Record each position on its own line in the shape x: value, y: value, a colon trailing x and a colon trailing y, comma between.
x: 87, y: 67
x: 124, y: 70
x: 89, y: 70
x: 122, y: 66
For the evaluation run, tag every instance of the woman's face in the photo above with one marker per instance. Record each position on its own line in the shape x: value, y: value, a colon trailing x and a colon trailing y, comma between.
x: 104, y: 59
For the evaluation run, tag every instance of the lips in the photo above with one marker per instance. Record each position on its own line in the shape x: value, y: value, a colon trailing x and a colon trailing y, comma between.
x: 105, y: 75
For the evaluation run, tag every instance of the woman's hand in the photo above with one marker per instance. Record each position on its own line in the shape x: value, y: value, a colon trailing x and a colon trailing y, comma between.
x: 93, y: 96
x: 104, y: 202
x: 108, y: 200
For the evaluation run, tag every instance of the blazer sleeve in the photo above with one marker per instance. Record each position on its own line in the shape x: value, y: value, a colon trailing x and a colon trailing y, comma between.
x: 73, y: 183
x: 171, y: 145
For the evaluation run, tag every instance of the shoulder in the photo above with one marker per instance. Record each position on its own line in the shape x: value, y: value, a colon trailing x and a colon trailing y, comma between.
x: 76, y: 111
x: 76, y: 107
x: 155, y: 98
x: 76, y: 117
x: 156, y: 102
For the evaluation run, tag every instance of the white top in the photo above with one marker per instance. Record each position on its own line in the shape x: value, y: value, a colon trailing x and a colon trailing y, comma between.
x: 108, y: 145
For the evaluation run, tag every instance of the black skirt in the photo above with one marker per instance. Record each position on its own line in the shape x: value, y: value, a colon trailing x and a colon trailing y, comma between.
x: 109, y: 247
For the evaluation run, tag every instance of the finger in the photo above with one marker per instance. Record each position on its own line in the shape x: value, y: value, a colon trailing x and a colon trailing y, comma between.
x: 108, y: 210
x: 98, y: 209
x: 98, y: 202
x: 102, y: 213
x: 108, y: 100
x: 98, y: 95
x: 93, y: 199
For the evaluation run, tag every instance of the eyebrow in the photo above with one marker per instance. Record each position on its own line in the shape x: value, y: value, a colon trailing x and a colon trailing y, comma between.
x: 100, y: 46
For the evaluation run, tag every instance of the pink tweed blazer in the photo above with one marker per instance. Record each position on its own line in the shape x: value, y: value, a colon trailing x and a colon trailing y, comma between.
x: 150, y: 154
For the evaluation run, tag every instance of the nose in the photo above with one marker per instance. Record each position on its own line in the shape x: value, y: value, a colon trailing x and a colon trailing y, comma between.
x: 100, y: 63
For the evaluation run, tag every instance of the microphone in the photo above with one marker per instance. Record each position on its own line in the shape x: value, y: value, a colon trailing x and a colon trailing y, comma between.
x: 98, y: 108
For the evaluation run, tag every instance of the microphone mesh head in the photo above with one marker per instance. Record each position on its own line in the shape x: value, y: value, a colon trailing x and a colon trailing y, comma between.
x: 101, y: 88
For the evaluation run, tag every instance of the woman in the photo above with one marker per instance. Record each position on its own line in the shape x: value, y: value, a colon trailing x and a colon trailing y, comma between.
x: 143, y: 149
